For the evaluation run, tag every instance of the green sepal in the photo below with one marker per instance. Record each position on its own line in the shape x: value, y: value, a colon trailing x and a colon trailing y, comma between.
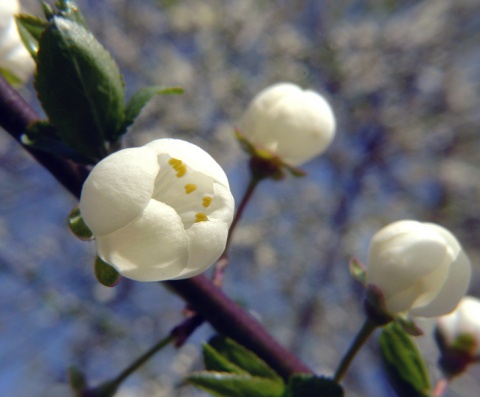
x: 141, y: 98
x: 265, y: 163
x: 76, y: 379
x: 30, y: 28
x: 305, y: 385
x: 294, y: 171
x: 44, y: 136
x: 47, y: 10
x: 403, y: 363
x: 214, y: 361
x: 358, y: 271
x: 69, y: 9
x: 243, y: 358
x: 78, y: 226
x: 106, y: 274
x: 375, y: 306
x: 408, y: 326
x: 223, y: 384
x: 246, y: 146
x: 10, y: 77
x: 80, y: 88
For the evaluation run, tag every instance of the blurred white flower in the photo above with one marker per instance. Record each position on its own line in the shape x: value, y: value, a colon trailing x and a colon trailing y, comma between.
x: 158, y: 212
x: 420, y: 268
x: 14, y: 57
x: 293, y: 124
x: 461, y: 328
x: 7, y: 9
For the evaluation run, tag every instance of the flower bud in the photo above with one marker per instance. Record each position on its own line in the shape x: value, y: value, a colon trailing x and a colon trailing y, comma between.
x: 14, y: 57
x: 461, y: 328
x: 458, y: 337
x: 158, y: 212
x: 420, y: 268
x: 292, y: 124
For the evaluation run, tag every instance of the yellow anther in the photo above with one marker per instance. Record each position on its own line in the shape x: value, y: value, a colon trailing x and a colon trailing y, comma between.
x: 182, y: 171
x: 207, y: 201
x: 200, y: 217
x: 189, y: 188
x: 174, y: 162
x: 178, y: 166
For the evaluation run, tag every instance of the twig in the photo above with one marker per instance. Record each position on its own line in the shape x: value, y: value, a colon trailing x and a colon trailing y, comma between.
x: 204, y: 297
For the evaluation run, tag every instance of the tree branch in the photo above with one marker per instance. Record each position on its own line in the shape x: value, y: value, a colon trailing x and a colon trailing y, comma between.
x: 205, y: 298
x: 15, y: 116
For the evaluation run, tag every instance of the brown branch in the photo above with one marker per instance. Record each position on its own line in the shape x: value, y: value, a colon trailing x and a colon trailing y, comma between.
x: 15, y: 116
x: 201, y: 294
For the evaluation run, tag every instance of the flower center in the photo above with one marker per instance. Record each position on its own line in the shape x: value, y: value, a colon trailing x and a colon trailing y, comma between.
x: 187, y: 191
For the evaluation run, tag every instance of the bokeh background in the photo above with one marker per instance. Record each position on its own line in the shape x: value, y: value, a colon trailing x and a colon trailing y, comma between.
x: 404, y: 80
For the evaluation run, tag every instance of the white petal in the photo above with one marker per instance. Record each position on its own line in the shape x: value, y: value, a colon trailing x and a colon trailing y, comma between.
x: 452, y: 291
x: 396, y: 264
x: 254, y: 124
x: 222, y: 207
x: 392, y: 230
x: 304, y: 127
x: 8, y: 8
x: 14, y: 57
x: 153, y: 247
x: 195, y: 157
x: 118, y: 189
x: 206, y: 243
x: 450, y: 239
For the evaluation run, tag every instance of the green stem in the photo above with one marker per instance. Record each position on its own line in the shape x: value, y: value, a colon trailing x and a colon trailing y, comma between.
x: 367, y: 329
x: 140, y: 361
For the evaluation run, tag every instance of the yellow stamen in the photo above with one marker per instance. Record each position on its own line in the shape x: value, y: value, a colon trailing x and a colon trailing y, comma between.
x: 200, y: 217
x: 189, y: 188
x: 207, y: 201
x: 174, y: 162
x: 178, y: 166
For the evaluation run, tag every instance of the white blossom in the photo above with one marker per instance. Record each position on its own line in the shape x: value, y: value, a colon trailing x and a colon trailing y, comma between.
x: 14, y: 57
x: 161, y: 211
x: 464, y: 321
x: 291, y: 123
x: 420, y: 268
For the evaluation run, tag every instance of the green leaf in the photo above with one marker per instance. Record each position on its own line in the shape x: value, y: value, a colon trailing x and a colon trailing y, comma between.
x: 141, y: 98
x: 80, y: 88
x: 405, y: 366
x: 78, y: 226
x: 10, y: 77
x: 224, y: 384
x: 304, y: 385
x: 358, y: 271
x: 30, y: 28
x: 106, y: 274
x: 69, y: 9
x: 214, y: 361
x: 243, y: 358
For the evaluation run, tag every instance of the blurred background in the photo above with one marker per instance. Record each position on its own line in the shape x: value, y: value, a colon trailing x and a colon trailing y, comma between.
x: 403, y: 78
